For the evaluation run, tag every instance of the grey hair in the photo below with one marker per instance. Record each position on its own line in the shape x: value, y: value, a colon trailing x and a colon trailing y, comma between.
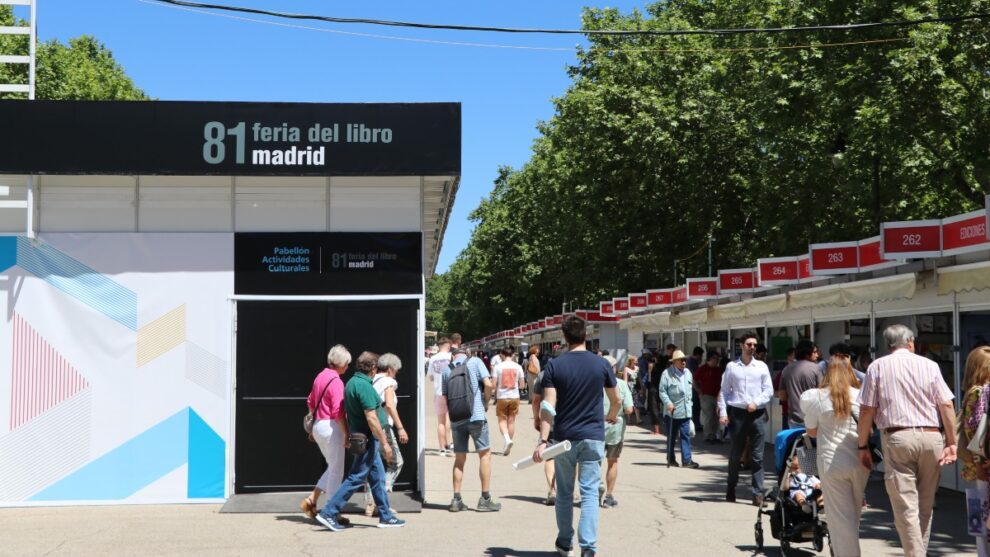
x: 898, y: 336
x: 339, y: 356
x: 389, y: 360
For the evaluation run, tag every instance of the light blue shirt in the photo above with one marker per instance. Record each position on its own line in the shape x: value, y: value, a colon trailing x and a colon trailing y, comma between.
x: 478, y: 373
x: 675, y: 388
x: 745, y: 384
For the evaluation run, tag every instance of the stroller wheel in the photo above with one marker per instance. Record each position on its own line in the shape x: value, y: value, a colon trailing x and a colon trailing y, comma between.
x: 819, y: 543
x: 785, y: 546
x: 759, y: 535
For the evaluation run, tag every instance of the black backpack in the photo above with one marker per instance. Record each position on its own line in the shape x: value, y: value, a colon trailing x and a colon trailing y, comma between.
x: 460, y: 394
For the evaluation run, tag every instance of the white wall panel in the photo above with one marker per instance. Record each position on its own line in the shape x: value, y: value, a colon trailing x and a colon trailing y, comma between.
x: 13, y: 219
x: 185, y: 204
x: 296, y: 204
x: 375, y: 204
x: 87, y: 203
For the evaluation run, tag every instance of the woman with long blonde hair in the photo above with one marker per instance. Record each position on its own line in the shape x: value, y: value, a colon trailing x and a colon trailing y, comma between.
x: 831, y: 413
x: 974, y: 467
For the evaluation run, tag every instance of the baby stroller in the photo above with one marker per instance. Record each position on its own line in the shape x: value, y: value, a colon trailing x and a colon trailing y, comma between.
x: 788, y: 522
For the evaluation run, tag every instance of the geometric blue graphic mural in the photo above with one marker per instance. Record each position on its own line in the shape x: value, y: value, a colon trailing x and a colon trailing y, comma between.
x: 180, y: 439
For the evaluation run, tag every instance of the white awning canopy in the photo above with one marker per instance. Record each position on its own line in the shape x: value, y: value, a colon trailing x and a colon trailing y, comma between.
x: 728, y: 312
x: 859, y: 292
x: 652, y: 321
x: 693, y: 317
x: 963, y: 278
x: 766, y: 304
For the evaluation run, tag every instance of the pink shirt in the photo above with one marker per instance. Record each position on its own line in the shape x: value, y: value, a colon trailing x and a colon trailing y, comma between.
x: 332, y: 405
x: 906, y: 389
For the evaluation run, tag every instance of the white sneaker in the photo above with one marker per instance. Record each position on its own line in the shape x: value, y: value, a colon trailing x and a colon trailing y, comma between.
x: 508, y: 447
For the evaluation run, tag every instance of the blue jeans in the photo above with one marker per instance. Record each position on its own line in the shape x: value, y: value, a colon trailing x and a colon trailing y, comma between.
x: 367, y: 466
x: 744, y: 424
x: 679, y: 428
x: 588, y: 454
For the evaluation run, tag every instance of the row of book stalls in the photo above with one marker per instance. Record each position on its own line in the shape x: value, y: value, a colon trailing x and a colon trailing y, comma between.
x: 931, y: 275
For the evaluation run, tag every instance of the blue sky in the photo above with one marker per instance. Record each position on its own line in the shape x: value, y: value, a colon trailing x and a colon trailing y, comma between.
x: 175, y: 54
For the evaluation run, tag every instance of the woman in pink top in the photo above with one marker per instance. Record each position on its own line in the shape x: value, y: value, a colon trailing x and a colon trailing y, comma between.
x: 329, y: 425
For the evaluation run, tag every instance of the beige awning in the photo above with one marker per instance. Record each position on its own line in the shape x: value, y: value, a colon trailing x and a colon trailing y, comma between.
x: 830, y: 295
x: 962, y: 278
x: 766, y: 304
x: 728, y: 312
x: 693, y: 317
x: 879, y: 290
x: 652, y: 321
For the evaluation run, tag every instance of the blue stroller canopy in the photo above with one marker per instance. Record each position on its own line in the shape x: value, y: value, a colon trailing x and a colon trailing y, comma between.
x: 782, y: 443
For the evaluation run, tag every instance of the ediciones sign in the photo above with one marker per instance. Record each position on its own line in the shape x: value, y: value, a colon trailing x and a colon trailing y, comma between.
x: 328, y: 263
x: 220, y: 138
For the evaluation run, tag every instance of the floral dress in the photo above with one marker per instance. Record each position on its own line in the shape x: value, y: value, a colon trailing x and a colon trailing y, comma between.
x: 974, y: 406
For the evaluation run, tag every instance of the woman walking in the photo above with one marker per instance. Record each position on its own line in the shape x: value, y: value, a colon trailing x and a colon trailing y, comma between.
x: 326, y: 399
x: 632, y: 373
x: 976, y: 385
x: 831, y: 414
x: 532, y: 370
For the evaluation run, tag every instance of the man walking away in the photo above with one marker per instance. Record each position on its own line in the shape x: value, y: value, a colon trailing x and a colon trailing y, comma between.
x: 742, y: 405
x: 509, y: 379
x: 364, y: 415
x: 802, y: 375
x: 439, y: 362
x: 470, y: 423
x: 906, y: 395
x: 615, y: 433
x: 707, y: 381
x: 572, y: 389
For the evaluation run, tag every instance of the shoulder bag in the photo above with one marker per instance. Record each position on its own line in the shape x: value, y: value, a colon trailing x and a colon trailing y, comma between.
x: 309, y: 418
x: 977, y: 444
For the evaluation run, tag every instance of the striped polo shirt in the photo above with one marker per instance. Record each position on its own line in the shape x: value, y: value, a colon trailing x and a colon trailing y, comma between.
x: 906, y: 389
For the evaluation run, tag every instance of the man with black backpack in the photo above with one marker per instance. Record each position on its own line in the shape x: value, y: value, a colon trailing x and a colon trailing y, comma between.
x: 467, y: 387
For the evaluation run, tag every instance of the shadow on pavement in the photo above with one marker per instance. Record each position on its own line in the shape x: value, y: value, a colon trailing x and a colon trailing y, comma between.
x: 508, y: 552
x: 526, y: 498
x: 296, y: 518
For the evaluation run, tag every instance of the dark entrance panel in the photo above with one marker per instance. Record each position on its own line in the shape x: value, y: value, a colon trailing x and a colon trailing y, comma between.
x: 281, y: 346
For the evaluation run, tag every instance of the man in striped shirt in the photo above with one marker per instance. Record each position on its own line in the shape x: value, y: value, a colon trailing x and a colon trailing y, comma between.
x: 911, y: 404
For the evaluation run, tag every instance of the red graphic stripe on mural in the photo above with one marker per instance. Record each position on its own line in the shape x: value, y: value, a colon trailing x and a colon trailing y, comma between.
x: 41, y: 377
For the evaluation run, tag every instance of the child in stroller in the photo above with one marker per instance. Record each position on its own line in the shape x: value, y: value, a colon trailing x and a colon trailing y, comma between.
x: 803, y: 486
x: 795, y: 457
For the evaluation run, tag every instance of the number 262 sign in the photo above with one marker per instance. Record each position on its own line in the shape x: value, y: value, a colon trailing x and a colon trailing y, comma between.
x: 920, y: 238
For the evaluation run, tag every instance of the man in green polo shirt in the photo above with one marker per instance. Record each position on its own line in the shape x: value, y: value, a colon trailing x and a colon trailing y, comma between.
x: 364, y: 415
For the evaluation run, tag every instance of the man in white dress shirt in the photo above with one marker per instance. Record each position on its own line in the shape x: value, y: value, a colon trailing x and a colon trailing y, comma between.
x: 742, y: 404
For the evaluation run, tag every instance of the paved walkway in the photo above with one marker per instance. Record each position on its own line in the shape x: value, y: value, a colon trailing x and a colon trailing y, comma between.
x: 661, y: 512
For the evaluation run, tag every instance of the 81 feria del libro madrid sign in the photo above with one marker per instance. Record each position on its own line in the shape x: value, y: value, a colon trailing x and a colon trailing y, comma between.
x: 230, y: 138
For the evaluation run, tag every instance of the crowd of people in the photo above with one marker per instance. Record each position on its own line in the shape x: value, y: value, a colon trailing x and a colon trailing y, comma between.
x: 900, y: 402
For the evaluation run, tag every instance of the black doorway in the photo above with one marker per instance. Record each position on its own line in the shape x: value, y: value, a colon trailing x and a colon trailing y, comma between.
x: 281, y: 346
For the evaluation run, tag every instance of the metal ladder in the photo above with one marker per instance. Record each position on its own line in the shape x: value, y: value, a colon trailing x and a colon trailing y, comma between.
x: 31, y: 30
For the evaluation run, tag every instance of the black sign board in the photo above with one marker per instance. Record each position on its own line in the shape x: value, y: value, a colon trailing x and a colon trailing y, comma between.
x: 328, y: 263
x: 227, y: 138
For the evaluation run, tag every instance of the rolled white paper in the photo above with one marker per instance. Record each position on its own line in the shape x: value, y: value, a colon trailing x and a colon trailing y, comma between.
x: 547, y: 454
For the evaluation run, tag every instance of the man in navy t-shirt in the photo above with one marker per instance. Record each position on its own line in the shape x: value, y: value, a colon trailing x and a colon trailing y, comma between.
x: 572, y: 388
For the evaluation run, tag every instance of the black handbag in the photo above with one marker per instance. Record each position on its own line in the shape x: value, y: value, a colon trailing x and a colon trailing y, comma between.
x: 358, y: 443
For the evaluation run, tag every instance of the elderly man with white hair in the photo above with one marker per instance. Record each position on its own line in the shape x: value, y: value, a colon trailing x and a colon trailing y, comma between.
x: 906, y: 396
x: 385, y: 385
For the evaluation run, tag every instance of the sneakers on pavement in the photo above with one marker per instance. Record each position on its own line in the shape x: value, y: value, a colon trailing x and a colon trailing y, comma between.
x: 393, y: 522
x: 692, y: 464
x: 488, y: 505
x: 508, y: 447
x: 587, y: 553
x: 330, y: 522
x: 551, y: 499
x: 563, y: 551
x: 610, y: 502
x: 457, y: 505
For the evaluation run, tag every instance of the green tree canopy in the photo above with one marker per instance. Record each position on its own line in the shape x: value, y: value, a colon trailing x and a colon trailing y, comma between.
x: 82, y: 70
x: 765, y: 142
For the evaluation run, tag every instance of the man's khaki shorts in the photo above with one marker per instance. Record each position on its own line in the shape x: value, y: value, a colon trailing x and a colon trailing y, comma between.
x: 507, y: 407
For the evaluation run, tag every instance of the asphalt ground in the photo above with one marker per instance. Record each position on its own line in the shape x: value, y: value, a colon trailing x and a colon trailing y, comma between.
x: 661, y: 511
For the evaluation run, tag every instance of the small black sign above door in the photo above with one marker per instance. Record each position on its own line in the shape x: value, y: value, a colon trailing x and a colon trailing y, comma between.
x: 328, y: 263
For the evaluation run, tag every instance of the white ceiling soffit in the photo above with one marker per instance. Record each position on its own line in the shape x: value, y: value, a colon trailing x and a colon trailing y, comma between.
x: 859, y: 292
x: 963, y: 278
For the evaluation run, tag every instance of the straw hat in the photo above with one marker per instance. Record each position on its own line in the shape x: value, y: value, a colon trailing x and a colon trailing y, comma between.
x: 678, y: 355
